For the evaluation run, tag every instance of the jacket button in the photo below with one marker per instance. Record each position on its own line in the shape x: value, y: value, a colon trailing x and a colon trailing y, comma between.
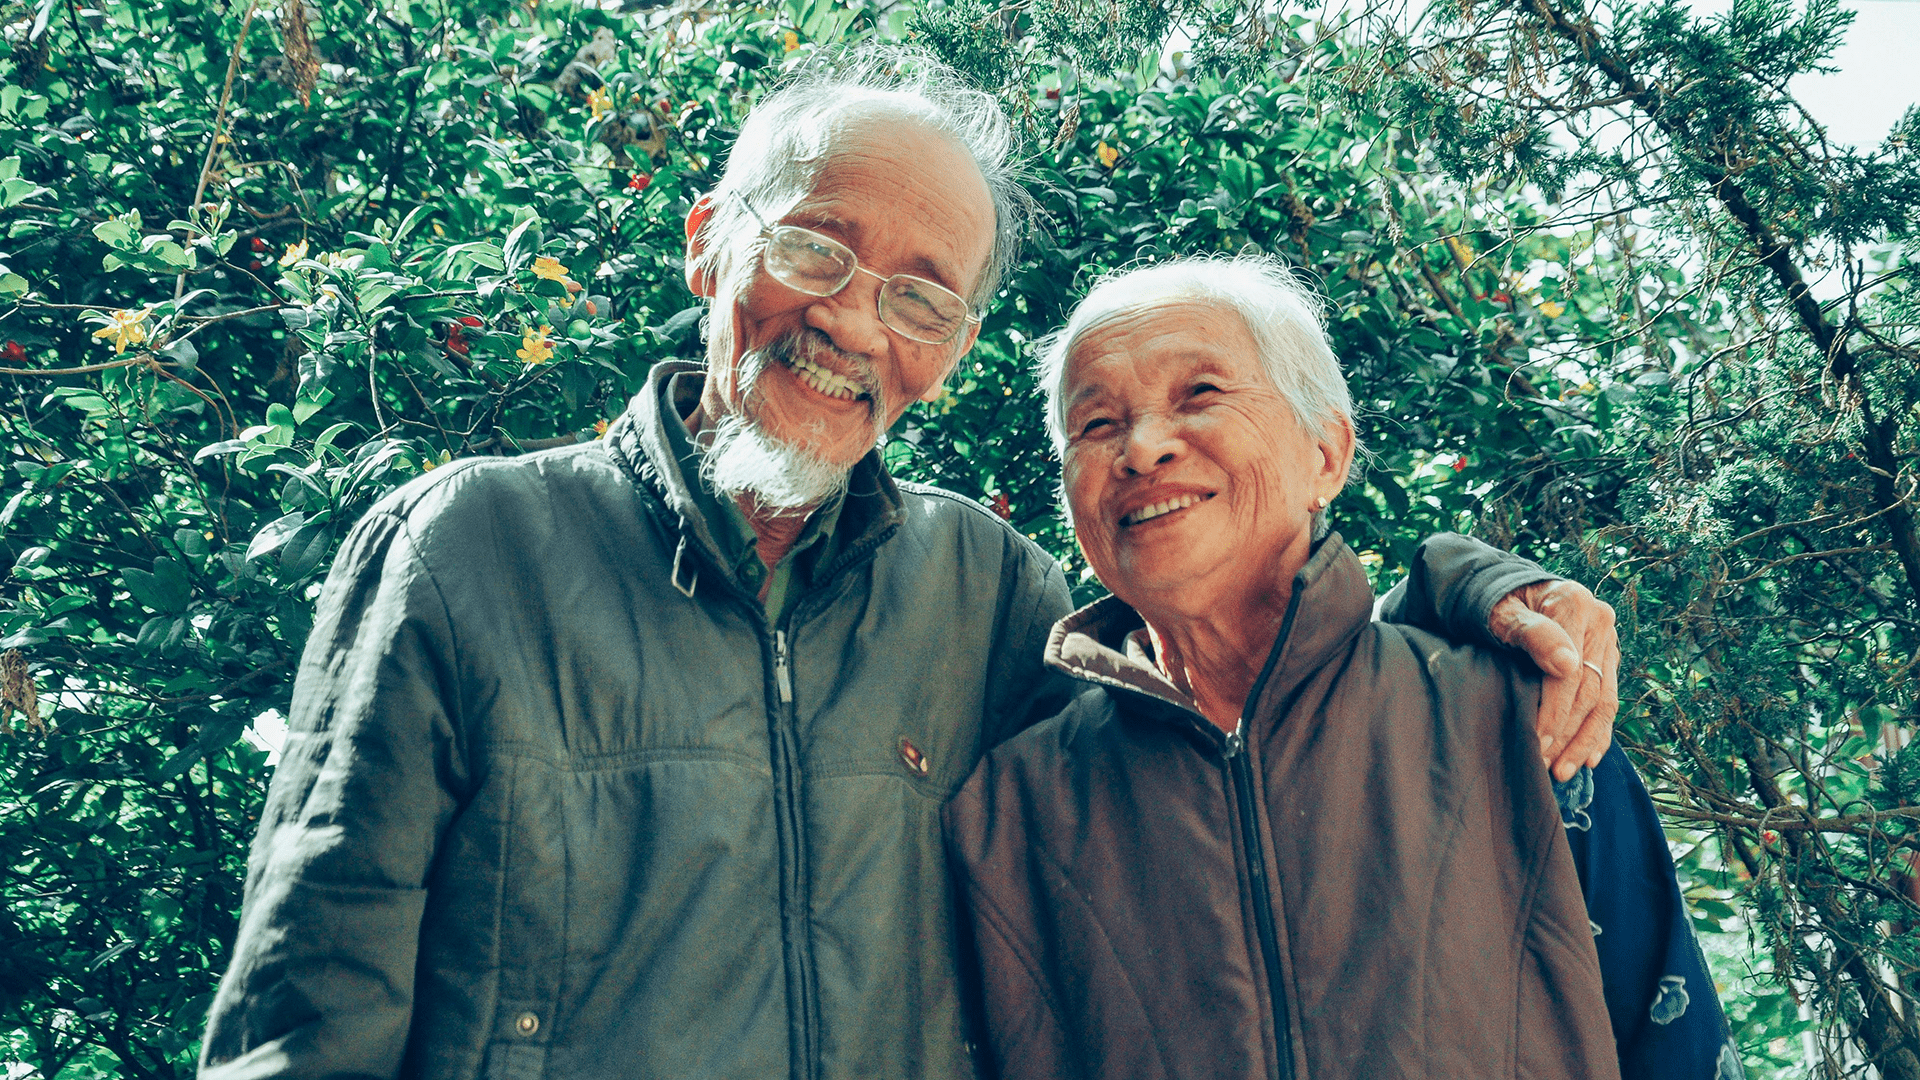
x: 526, y: 1023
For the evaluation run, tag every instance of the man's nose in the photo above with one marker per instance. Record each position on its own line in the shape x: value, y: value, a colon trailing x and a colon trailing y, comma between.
x: 1152, y: 442
x: 851, y: 317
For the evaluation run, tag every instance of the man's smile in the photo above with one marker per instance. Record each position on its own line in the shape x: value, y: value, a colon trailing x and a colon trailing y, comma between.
x: 821, y: 380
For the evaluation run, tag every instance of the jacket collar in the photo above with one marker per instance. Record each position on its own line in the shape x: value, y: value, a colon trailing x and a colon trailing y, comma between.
x: 638, y: 439
x: 1105, y: 642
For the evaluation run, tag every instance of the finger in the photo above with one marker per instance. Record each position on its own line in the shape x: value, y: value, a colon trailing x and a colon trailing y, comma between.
x: 1609, y: 707
x: 1594, y: 729
x: 1553, y: 652
x: 1546, y: 643
x: 1588, y: 745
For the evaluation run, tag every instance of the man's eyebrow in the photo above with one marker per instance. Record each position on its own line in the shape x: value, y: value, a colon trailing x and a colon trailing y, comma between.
x: 853, y: 235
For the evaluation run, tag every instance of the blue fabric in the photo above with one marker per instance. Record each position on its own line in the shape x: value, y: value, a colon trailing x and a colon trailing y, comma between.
x: 1666, y: 1015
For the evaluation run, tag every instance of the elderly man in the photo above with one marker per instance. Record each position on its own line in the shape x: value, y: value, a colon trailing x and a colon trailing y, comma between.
x: 627, y: 759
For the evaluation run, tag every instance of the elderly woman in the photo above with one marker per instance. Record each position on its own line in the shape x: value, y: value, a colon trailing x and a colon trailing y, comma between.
x: 1277, y: 839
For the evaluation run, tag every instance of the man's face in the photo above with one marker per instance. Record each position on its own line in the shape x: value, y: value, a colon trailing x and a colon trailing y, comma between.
x: 832, y: 377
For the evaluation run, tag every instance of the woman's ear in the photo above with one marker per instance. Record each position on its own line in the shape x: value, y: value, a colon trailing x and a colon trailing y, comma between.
x: 1336, y: 445
x: 700, y: 274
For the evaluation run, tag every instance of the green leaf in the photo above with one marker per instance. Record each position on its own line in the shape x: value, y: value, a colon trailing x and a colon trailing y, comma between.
x: 15, y: 191
x: 304, y: 550
x: 165, y: 589
x: 274, y: 535
x: 305, y: 406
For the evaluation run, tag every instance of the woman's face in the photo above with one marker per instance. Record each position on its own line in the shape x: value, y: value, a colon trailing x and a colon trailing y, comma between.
x: 1187, y: 474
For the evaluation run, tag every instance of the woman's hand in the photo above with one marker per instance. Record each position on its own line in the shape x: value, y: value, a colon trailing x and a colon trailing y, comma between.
x: 1569, y: 634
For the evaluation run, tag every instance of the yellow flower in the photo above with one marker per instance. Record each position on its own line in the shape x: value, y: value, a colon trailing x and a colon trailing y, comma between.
x: 534, y: 346
x: 549, y: 269
x: 293, y: 254
x: 1107, y: 154
x: 599, y: 428
x: 600, y: 102
x: 1553, y: 309
x: 127, y: 328
x: 790, y: 40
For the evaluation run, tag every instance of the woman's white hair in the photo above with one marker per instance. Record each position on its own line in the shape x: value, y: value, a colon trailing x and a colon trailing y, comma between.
x: 1283, y: 315
x: 795, y: 130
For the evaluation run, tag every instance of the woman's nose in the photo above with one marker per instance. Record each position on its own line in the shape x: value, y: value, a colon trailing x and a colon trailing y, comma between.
x: 1153, y: 442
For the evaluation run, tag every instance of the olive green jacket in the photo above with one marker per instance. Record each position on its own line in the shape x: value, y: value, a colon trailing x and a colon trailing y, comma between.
x: 557, y: 801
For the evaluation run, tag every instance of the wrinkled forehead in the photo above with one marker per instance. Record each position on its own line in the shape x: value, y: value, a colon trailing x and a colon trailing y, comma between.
x: 1157, y: 338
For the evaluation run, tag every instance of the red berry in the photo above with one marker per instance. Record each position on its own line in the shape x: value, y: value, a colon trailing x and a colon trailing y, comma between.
x: 1460, y: 464
x: 1002, y: 507
x: 253, y: 264
x: 1503, y: 298
x: 259, y: 244
x: 1053, y: 94
x: 639, y: 181
x: 16, y: 352
x: 457, y: 342
x: 469, y: 320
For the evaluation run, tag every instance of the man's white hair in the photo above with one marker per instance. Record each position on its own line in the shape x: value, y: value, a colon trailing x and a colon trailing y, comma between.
x: 795, y: 130
x: 1283, y: 315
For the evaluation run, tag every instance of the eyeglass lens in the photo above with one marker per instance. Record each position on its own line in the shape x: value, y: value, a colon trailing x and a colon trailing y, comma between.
x: 803, y: 259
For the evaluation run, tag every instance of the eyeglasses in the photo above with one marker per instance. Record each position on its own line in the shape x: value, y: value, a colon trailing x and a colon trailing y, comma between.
x: 806, y: 261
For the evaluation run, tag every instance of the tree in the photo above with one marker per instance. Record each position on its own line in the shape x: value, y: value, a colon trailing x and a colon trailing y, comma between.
x: 406, y: 232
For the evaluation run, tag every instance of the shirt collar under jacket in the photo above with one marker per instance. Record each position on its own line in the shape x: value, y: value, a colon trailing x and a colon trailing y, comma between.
x: 1106, y: 642
x: 652, y: 440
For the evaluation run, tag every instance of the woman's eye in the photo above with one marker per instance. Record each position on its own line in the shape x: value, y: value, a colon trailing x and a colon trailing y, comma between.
x: 1093, y: 425
x: 1204, y: 388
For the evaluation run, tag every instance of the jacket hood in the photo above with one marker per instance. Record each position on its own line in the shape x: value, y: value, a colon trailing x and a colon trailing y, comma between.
x: 1106, y: 642
x: 638, y: 440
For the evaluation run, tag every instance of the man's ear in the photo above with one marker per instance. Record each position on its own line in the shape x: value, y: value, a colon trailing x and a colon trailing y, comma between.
x: 967, y: 338
x: 700, y: 275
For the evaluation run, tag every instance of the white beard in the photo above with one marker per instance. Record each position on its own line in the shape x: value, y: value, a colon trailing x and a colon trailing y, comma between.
x: 744, y: 461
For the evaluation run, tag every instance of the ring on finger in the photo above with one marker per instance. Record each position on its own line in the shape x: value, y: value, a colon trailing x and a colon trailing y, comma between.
x: 1595, y: 668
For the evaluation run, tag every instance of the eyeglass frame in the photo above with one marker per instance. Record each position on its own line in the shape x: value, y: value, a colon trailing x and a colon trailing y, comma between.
x: 766, y: 233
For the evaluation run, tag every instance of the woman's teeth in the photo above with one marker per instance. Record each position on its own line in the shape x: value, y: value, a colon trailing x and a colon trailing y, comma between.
x: 1148, y: 513
x: 824, y: 381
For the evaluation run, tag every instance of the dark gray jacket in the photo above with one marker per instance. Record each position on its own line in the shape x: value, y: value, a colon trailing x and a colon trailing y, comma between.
x: 558, y: 802
x: 1367, y: 880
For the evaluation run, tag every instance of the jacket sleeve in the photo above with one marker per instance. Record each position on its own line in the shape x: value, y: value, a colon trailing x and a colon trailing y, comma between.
x: 1024, y: 691
x: 1661, y: 999
x: 321, y: 982
x: 1453, y: 585
x: 1015, y: 1026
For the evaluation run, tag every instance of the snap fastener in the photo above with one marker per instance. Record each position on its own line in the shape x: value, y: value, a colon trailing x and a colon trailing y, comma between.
x: 527, y: 1023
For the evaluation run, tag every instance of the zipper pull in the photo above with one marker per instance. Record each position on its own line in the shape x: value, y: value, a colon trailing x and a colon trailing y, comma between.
x: 780, y: 675
x: 1235, y: 743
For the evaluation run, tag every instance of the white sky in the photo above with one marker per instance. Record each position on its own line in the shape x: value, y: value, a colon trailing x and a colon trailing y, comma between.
x: 1878, y: 62
x: 1878, y: 76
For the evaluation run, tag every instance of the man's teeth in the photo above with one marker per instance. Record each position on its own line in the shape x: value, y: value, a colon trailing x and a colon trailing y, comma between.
x: 826, y: 382
x: 1148, y: 513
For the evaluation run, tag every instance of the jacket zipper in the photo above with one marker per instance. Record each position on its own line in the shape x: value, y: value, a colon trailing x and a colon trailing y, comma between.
x: 780, y: 676
x: 1240, y: 776
x: 795, y: 888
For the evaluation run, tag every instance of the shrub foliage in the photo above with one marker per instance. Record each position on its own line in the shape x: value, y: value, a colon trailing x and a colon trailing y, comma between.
x: 1604, y: 294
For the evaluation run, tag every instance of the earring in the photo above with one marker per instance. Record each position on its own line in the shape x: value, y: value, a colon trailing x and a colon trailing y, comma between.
x: 1321, y: 502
